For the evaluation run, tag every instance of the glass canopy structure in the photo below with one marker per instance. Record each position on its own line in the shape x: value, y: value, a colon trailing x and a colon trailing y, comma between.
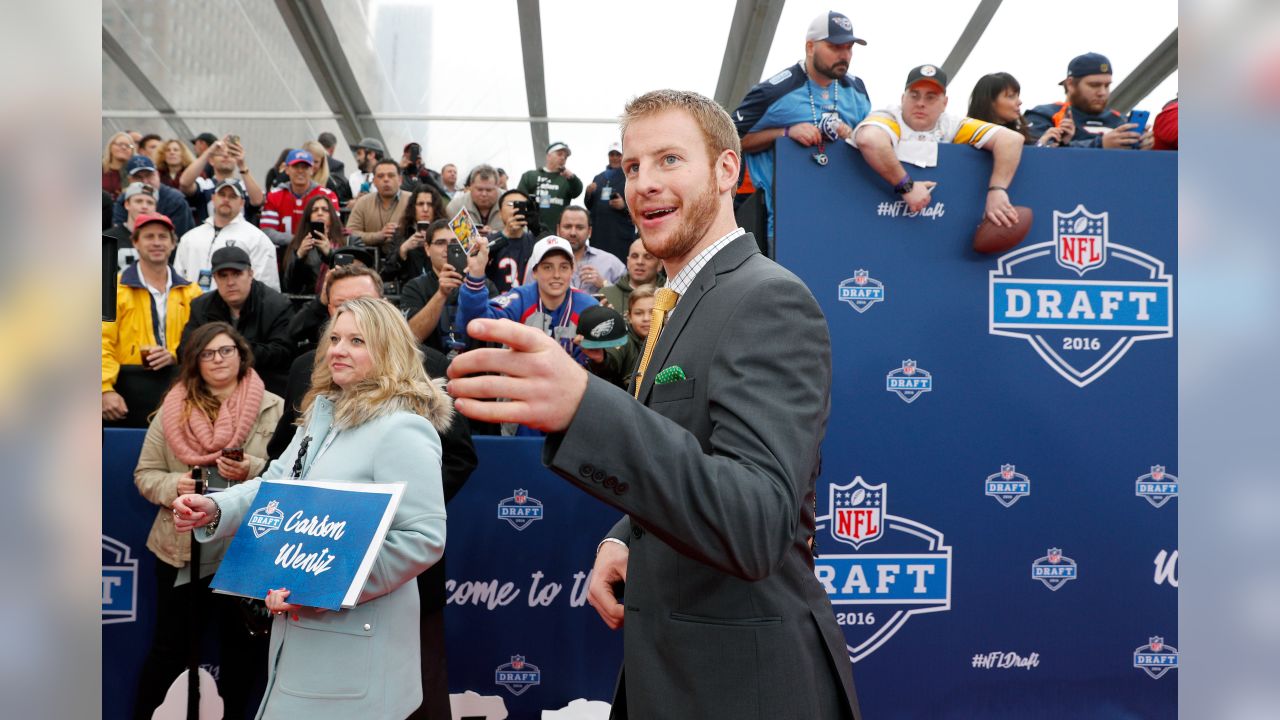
x: 493, y: 81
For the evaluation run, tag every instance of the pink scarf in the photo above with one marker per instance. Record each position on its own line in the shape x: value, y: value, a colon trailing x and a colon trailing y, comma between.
x: 200, y: 442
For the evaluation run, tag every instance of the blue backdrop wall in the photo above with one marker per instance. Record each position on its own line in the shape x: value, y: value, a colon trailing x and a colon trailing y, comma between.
x: 1054, y: 364
x: 997, y: 506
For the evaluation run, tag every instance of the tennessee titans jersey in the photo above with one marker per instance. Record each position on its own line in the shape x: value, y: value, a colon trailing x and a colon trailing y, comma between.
x: 783, y: 101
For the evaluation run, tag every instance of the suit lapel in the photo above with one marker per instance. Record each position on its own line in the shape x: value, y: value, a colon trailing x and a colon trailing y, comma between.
x: 729, y: 257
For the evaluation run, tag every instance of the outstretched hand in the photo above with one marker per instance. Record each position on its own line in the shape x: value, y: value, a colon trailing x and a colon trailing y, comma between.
x: 543, y: 385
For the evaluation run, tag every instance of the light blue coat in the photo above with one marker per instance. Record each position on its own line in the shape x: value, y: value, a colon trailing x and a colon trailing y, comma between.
x: 363, y: 662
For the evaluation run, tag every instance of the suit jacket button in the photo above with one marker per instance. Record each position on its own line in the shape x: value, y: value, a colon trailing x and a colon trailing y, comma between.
x: 586, y: 470
x: 597, y: 476
x: 367, y: 627
x: 610, y: 481
x: 637, y: 532
x: 622, y: 487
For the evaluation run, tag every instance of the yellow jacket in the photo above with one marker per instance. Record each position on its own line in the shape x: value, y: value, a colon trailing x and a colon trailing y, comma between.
x: 134, y: 326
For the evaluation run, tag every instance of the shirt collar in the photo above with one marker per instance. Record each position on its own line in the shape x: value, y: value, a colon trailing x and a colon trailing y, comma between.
x: 168, y: 282
x: 683, y: 279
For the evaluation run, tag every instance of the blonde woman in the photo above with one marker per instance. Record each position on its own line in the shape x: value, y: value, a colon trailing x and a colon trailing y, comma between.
x: 115, y: 156
x: 171, y: 158
x: 372, y: 415
x: 322, y: 161
x: 324, y: 176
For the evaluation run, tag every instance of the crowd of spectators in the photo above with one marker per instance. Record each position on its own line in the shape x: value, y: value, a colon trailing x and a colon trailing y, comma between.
x: 224, y: 283
x: 202, y: 240
x: 817, y: 102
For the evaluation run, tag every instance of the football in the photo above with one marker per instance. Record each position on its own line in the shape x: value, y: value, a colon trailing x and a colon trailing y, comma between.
x: 990, y: 238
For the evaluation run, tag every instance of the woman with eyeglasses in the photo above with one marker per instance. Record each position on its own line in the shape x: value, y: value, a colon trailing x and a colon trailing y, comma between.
x: 114, y: 157
x: 217, y: 416
x: 371, y: 416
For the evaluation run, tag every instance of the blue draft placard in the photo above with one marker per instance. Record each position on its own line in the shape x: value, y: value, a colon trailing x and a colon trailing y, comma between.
x: 319, y: 539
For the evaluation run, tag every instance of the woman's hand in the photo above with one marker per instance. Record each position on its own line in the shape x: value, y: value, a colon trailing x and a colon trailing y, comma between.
x: 322, y: 244
x: 186, y: 485
x: 304, y: 247
x: 233, y: 470
x: 416, y: 240
x: 276, y: 602
x: 192, y: 511
x: 277, y: 605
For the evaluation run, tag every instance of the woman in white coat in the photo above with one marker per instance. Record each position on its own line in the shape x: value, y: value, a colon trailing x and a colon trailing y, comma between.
x: 372, y: 415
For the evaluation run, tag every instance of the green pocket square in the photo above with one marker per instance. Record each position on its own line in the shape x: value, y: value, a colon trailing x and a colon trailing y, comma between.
x: 673, y: 373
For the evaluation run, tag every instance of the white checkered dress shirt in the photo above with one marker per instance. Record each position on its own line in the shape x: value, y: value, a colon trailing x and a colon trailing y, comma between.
x: 683, y: 279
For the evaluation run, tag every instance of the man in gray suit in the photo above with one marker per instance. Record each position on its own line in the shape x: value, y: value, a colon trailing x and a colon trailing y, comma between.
x: 715, y: 466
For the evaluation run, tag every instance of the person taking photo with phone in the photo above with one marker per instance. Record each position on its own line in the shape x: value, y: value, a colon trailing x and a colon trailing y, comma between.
x: 217, y: 409
x: 511, y: 247
x: 310, y: 253
x: 430, y: 300
x: 226, y: 157
x: 406, y: 258
x: 1088, y: 90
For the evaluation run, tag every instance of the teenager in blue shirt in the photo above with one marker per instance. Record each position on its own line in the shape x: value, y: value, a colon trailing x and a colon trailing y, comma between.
x: 547, y: 302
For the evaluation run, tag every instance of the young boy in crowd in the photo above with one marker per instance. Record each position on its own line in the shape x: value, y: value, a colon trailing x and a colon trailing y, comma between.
x: 547, y: 303
x: 618, y: 364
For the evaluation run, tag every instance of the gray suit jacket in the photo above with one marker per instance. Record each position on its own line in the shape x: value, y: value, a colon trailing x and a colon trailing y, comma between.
x: 724, y: 618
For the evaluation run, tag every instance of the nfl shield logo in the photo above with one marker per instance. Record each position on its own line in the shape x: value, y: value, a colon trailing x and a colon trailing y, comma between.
x: 520, y: 510
x: 1080, y: 239
x: 1054, y: 569
x: 265, y: 519
x: 518, y: 675
x: 1157, y: 486
x: 1156, y: 658
x: 857, y: 512
x: 1008, y: 486
x: 909, y: 381
x: 861, y: 291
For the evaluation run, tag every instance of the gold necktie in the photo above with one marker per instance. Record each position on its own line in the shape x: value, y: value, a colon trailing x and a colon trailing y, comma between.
x: 663, y: 301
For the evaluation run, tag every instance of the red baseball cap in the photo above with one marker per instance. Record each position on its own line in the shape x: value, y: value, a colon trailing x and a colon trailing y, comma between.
x: 148, y: 218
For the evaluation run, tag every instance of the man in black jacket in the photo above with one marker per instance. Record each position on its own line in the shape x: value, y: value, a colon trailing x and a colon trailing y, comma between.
x: 259, y: 313
x: 458, y: 461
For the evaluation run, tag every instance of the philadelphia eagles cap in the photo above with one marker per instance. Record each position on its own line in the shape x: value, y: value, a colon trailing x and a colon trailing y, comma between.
x: 601, y: 327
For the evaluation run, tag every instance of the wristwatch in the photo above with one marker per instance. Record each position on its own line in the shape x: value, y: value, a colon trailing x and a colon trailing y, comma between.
x: 904, y: 186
